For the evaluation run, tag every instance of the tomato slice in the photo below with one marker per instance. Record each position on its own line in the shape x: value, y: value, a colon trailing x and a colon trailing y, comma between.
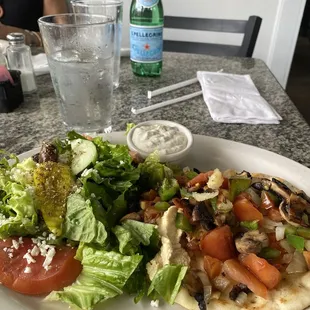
x: 64, y: 269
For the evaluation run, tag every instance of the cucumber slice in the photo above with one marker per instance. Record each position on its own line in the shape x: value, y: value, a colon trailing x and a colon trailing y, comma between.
x: 84, y: 152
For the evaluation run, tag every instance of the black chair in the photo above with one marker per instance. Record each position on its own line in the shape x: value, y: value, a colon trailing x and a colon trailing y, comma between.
x: 249, y: 27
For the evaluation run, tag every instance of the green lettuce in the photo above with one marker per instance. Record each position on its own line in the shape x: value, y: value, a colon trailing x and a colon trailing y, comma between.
x: 133, y: 233
x: 167, y: 282
x: 129, y: 127
x: 18, y: 215
x: 153, y: 172
x: 22, y: 173
x: 81, y: 223
x: 112, y: 180
x: 103, y: 276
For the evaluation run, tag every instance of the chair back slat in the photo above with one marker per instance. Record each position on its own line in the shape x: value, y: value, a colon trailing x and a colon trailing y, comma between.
x: 201, y: 48
x: 250, y: 28
x: 205, y: 24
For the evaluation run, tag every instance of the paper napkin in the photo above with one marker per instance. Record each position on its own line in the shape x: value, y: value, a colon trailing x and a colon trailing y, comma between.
x: 233, y: 98
x: 40, y: 65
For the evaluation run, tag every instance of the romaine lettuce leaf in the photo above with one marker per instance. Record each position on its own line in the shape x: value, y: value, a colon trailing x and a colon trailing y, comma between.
x: 112, y: 179
x: 80, y: 222
x: 129, y: 127
x: 22, y: 173
x: 153, y: 172
x: 167, y: 282
x: 103, y: 276
x: 17, y: 211
x: 133, y: 233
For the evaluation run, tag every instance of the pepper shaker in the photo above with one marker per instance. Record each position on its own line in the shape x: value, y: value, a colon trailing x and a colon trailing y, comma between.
x: 19, y: 58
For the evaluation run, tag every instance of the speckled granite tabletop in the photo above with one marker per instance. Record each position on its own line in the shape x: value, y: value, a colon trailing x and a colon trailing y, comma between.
x: 38, y: 118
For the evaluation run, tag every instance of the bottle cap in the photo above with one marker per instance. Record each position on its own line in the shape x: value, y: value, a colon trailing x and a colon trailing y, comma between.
x: 15, y: 38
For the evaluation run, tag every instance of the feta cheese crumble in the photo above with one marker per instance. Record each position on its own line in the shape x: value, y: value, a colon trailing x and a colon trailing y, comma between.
x: 27, y: 269
x: 155, y: 303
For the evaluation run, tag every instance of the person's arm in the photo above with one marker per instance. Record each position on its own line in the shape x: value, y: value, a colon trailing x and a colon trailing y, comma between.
x: 50, y: 7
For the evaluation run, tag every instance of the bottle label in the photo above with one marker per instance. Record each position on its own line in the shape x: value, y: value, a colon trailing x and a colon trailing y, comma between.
x: 148, y: 3
x: 146, y: 43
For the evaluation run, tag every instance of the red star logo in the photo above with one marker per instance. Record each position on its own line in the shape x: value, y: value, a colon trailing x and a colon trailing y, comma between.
x: 147, y: 47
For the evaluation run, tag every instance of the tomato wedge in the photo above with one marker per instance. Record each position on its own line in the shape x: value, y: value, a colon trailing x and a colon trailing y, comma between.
x: 64, y: 269
x: 212, y: 266
x: 234, y: 270
x: 219, y: 243
x: 307, y: 258
x: 266, y: 273
x: 202, y: 178
x: 245, y: 210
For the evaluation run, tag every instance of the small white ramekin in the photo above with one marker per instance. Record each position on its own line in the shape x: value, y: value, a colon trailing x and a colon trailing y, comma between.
x: 175, y: 157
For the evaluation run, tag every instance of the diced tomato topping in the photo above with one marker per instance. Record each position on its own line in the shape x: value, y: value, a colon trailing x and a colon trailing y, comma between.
x: 265, y: 272
x: 212, y: 266
x: 234, y: 270
x: 307, y: 258
x: 219, y: 243
x: 202, y: 178
x: 245, y: 210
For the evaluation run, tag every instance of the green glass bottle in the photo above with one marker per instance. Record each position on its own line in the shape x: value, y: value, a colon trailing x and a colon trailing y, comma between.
x: 146, y: 37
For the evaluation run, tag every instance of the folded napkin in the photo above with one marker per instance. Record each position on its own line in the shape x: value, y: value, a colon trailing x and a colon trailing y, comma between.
x: 233, y: 98
x: 40, y: 65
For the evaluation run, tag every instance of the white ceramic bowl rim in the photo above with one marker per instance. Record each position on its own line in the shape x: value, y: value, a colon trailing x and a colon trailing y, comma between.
x: 167, y: 157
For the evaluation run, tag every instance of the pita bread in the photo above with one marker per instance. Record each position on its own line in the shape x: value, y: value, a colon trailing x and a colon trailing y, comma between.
x: 293, y: 292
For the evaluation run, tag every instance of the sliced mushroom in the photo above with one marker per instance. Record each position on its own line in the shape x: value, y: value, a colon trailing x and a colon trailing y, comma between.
x: 252, y: 242
x: 132, y: 216
x: 274, y: 185
x: 244, y: 174
x: 201, y: 301
x: 203, y: 214
x: 237, y: 289
x: 296, y: 211
x: 193, y: 283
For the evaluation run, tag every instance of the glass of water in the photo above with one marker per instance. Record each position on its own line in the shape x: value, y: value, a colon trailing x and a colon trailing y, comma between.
x: 80, y: 53
x: 113, y: 8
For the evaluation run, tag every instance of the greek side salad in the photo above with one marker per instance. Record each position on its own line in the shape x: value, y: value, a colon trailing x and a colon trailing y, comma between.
x: 84, y: 221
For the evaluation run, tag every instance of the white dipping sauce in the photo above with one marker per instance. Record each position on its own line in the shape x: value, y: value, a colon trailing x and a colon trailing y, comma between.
x: 162, y: 138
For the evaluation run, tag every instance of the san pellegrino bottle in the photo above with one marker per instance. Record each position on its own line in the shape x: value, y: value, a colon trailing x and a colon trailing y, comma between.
x: 146, y: 37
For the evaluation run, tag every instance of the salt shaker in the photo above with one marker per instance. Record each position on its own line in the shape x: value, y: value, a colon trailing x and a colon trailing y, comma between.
x: 19, y: 58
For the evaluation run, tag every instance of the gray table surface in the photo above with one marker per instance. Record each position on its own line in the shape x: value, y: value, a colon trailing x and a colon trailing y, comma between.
x: 39, y: 119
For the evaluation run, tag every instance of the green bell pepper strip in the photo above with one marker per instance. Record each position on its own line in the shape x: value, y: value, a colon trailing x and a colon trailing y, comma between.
x: 238, y: 185
x: 168, y: 189
x: 290, y: 230
x: 191, y: 174
x: 296, y: 241
x: 269, y: 253
x: 275, y: 199
x: 250, y: 225
x: 213, y: 202
x: 162, y: 206
x: 303, y: 232
x: 183, y: 223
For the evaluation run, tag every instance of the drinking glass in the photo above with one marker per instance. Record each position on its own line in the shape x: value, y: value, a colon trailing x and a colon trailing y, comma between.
x: 79, y: 49
x: 113, y: 8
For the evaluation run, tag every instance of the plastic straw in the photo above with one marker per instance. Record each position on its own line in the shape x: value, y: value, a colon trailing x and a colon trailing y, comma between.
x: 166, y: 89
x: 165, y: 103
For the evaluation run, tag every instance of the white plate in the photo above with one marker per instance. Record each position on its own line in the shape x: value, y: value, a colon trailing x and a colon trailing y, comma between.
x: 207, y: 153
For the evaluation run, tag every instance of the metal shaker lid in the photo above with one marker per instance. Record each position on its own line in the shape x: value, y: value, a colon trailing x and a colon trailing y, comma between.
x: 15, y: 37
